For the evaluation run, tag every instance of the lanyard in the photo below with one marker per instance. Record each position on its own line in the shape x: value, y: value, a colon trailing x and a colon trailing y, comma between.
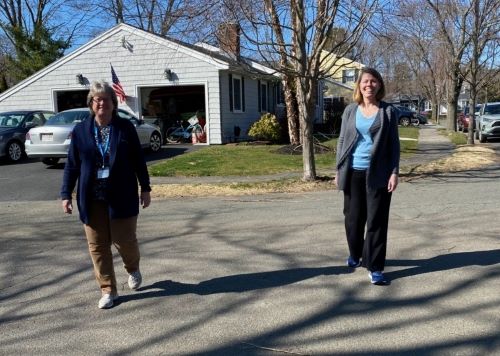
x: 102, y: 146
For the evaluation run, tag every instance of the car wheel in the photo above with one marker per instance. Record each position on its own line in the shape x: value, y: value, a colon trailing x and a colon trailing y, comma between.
x: 415, y: 122
x: 15, y: 151
x: 51, y: 161
x: 155, y: 142
x: 405, y: 121
x: 482, y: 138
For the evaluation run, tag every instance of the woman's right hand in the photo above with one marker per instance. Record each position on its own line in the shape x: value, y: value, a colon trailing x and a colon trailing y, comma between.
x: 67, y: 206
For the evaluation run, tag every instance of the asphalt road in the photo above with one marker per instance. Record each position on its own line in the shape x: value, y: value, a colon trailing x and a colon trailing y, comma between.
x: 263, y: 275
x: 31, y: 180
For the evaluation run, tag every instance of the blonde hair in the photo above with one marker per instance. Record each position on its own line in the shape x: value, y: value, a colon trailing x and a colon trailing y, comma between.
x: 101, y: 87
x: 357, y: 96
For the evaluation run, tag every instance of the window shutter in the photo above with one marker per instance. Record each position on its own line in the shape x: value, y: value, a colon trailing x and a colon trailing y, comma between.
x: 230, y: 92
x: 258, y: 95
x: 267, y: 98
x: 343, y: 76
x: 242, y: 94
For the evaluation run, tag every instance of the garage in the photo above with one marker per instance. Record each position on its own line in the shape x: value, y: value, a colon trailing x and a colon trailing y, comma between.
x: 168, y: 105
x: 70, y: 99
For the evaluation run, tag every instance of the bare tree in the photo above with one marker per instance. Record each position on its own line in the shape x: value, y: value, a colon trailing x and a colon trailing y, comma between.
x: 452, y: 18
x: 290, y: 37
x: 415, y: 32
x: 161, y: 17
x: 484, y: 33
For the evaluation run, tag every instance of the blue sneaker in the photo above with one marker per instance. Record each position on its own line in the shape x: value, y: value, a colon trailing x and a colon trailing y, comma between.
x: 377, y: 278
x: 351, y: 262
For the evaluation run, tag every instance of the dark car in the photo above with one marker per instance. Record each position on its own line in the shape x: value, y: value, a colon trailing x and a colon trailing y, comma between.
x: 407, y: 117
x: 13, y: 128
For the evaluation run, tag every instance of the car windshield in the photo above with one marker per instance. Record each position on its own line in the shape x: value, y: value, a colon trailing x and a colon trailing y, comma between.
x: 67, y: 118
x: 492, y: 109
x: 403, y: 108
x: 11, y: 120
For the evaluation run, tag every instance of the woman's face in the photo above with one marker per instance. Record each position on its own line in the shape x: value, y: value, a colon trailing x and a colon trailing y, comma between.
x: 102, y: 105
x: 369, y: 86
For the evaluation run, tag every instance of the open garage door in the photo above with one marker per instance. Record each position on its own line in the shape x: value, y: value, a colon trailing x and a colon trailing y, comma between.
x: 70, y: 99
x: 170, y: 104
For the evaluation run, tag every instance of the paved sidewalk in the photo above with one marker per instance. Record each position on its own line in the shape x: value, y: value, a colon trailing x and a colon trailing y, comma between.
x: 431, y: 146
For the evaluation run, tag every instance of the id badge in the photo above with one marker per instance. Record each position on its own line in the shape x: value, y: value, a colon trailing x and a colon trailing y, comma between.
x: 103, y: 173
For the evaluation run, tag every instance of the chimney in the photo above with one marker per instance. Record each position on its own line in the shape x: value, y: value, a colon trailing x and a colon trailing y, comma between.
x: 229, y: 38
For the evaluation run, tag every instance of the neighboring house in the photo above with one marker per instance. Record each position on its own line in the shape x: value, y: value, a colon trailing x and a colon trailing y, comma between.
x: 162, y: 78
x: 343, y: 75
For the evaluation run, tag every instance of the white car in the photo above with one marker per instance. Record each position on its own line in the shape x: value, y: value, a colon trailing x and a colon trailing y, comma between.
x: 488, y: 122
x: 51, y: 141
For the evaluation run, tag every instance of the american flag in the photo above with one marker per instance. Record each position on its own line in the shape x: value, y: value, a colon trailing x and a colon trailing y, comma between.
x: 117, y: 87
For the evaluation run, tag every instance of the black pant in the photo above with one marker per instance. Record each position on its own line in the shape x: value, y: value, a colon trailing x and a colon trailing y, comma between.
x: 368, y: 208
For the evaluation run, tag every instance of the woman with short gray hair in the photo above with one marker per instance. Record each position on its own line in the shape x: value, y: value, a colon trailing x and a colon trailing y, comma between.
x: 106, y: 160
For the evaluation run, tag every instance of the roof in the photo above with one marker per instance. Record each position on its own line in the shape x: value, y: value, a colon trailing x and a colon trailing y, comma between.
x: 205, y: 52
x: 334, y: 82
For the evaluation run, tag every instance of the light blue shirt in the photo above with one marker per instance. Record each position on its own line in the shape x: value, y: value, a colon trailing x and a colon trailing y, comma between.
x: 363, y: 149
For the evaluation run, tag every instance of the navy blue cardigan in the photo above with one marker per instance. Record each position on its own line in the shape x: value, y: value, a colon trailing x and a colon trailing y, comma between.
x: 127, y: 166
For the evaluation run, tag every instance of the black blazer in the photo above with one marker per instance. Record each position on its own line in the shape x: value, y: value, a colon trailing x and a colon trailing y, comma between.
x: 127, y: 166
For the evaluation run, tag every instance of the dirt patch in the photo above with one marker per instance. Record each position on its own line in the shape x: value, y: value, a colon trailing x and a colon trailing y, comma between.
x: 229, y: 189
x: 464, y: 158
x: 297, y: 149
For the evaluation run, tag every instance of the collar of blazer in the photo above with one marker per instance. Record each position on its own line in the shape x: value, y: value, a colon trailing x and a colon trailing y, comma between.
x: 114, y: 138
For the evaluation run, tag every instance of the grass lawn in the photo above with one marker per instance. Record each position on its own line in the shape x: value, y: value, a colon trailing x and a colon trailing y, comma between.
x: 250, y: 160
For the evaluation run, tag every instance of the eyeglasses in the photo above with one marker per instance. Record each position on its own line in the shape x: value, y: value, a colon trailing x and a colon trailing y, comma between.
x: 101, y: 100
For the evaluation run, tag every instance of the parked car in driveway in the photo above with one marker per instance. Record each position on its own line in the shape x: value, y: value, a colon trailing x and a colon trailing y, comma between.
x: 51, y: 141
x: 13, y: 128
x: 488, y: 121
x: 407, y: 117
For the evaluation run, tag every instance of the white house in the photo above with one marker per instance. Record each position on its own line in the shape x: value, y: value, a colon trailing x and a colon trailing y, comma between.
x: 161, y: 78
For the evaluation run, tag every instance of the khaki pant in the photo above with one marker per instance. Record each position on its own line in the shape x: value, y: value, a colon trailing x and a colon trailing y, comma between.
x: 101, y: 232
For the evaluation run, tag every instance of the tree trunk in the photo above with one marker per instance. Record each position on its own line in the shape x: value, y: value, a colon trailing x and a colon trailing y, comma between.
x: 452, y: 101
x: 472, y: 115
x: 435, y: 110
x: 292, y: 115
x: 306, y: 105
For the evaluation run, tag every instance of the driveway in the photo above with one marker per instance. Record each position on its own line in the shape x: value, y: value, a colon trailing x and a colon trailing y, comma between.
x: 31, y: 180
x: 263, y: 275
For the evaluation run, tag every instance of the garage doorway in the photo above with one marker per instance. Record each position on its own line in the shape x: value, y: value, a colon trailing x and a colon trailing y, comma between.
x: 70, y: 99
x: 170, y: 104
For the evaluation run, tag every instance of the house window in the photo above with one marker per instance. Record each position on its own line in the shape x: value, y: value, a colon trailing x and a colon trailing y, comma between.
x: 349, y: 75
x: 236, y: 93
x: 280, y: 94
x: 262, y: 93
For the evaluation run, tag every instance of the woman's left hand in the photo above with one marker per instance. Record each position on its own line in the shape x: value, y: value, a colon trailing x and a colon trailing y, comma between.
x: 393, y: 183
x: 145, y: 199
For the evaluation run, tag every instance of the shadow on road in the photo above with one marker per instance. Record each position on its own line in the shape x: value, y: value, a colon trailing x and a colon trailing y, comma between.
x: 238, y: 283
x: 443, y: 263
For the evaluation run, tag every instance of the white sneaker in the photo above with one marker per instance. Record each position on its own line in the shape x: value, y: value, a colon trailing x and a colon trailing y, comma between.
x: 107, y: 301
x: 134, y: 280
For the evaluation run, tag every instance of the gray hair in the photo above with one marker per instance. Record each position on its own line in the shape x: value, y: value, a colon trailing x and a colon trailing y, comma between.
x: 101, y: 87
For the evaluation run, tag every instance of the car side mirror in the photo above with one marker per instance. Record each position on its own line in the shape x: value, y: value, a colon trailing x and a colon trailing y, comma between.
x: 30, y: 125
x: 140, y: 122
